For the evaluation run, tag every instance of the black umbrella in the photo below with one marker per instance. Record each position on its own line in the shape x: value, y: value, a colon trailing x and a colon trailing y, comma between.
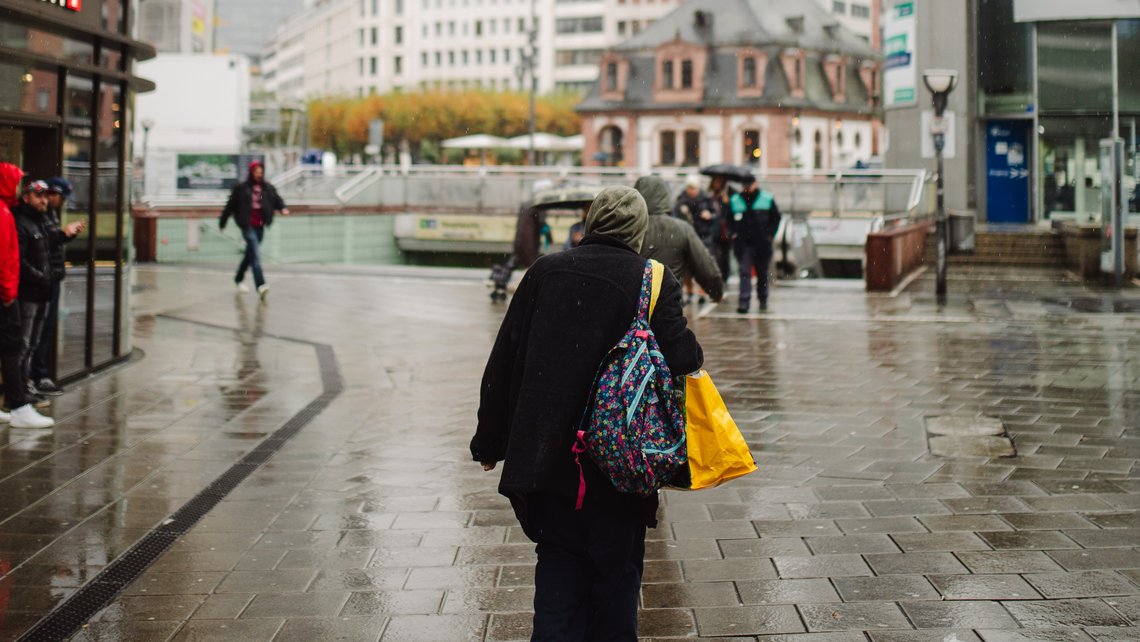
x: 729, y: 172
x: 573, y: 197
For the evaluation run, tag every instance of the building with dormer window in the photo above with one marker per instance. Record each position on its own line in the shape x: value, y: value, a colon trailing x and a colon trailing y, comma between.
x: 774, y: 83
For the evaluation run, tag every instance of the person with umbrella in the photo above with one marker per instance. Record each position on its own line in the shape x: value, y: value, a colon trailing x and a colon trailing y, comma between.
x: 721, y: 192
x: 753, y: 223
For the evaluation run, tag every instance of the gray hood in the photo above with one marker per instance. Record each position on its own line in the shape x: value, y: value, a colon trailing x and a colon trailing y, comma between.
x: 656, y: 195
x: 619, y: 212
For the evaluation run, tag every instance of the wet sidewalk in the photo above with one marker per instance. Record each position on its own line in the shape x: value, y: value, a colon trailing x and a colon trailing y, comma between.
x: 337, y: 416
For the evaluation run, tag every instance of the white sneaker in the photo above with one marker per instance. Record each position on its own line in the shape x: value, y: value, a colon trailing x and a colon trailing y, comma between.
x: 5, y: 417
x: 26, y: 417
x: 262, y: 291
x: 242, y: 287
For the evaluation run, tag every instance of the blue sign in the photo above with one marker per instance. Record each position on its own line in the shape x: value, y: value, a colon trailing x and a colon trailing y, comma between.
x: 1007, y: 171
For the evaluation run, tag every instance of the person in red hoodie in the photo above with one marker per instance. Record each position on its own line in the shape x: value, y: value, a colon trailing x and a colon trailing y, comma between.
x: 22, y: 414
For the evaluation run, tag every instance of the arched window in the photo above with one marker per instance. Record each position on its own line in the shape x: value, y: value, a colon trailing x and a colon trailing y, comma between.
x: 610, y: 145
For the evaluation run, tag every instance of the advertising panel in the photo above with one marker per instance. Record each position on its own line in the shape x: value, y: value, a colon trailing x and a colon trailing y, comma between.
x: 1045, y: 10
x: 900, y: 74
x: 213, y: 171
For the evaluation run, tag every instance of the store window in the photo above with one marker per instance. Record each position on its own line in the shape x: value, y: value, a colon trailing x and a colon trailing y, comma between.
x: 692, y: 147
x: 1075, y: 62
x: 751, y: 146
x: 1005, y: 59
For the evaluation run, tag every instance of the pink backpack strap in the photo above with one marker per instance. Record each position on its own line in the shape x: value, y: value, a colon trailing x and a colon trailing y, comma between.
x: 578, y: 448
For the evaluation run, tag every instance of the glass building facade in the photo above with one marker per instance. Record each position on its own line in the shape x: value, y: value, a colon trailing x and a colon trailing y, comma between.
x: 66, y: 88
x: 1048, y: 93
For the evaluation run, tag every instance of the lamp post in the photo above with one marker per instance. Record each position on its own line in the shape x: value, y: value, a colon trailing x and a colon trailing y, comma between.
x: 532, y: 63
x: 940, y: 82
x: 147, y: 123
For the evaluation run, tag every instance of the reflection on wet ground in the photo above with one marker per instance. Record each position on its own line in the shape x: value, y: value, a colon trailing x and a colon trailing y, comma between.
x: 372, y: 522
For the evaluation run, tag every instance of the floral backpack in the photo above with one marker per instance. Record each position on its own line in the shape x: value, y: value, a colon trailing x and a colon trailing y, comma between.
x: 634, y: 427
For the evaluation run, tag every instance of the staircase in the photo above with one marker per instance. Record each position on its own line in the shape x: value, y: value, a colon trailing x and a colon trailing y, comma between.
x: 1020, y: 246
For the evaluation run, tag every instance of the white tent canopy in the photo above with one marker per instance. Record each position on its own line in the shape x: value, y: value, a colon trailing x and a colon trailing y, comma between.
x: 476, y: 141
x: 544, y: 142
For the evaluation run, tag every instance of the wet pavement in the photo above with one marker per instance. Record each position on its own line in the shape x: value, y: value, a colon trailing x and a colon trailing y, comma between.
x: 371, y: 522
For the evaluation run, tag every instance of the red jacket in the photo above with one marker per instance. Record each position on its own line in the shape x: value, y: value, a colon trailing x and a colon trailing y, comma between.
x: 10, y: 176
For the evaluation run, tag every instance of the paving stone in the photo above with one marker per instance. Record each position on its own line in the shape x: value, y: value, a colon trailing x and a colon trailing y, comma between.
x: 830, y: 545
x: 1041, y: 614
x: 369, y: 603
x: 797, y: 528
x: 766, y: 547
x: 227, y: 630
x: 1097, y: 558
x: 1078, y: 487
x: 854, y: 493
x: 938, y: 523
x: 1007, y: 561
x: 364, y: 629
x: 727, y: 570
x: 880, y: 525
x: 852, y: 617
x: 1130, y: 519
x: 951, y: 615
x: 290, y: 581
x: 895, y: 588
x: 431, y: 628
x: 1035, y: 635
x: 149, y: 607
x: 1046, y: 521
x: 1111, y: 634
x: 488, y: 600
x: 948, y: 541
x: 906, y: 507
x: 834, y: 636
x: 933, y: 490
x: 786, y: 591
x: 1004, y: 488
x: 747, y: 620
x: 157, y: 631
x: 1027, y: 540
x: 983, y: 587
x: 700, y: 594
x: 827, y: 510
x: 651, y: 623
x: 1073, y: 503
x: 915, y: 563
x: 932, y: 635
x: 715, y: 530
x: 986, y: 505
x: 794, y: 567
x: 1081, y: 584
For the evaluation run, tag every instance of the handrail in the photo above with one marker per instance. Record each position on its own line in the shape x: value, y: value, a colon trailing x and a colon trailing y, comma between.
x: 357, y: 184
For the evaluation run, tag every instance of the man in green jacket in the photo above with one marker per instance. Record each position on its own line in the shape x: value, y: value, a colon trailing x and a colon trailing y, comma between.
x: 674, y: 242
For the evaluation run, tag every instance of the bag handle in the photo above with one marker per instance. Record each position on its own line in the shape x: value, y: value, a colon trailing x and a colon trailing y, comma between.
x: 655, y: 289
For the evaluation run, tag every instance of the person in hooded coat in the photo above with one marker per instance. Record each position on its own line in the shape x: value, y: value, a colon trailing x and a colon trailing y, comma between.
x: 568, y: 312
x: 252, y: 204
x: 674, y: 242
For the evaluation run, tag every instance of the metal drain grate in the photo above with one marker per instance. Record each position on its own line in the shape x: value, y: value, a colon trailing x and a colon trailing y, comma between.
x: 69, y: 617
x: 968, y: 436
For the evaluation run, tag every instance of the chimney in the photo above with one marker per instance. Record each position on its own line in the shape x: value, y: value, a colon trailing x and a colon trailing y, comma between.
x: 702, y: 19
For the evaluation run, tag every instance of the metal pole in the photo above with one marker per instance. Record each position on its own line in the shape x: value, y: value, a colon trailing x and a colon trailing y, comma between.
x: 533, y: 54
x: 941, y: 226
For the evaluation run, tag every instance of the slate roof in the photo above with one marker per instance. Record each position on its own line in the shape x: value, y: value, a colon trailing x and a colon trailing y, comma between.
x: 759, y: 24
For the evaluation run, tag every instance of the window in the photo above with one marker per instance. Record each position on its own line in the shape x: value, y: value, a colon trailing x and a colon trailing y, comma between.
x: 43, y: 97
x: 491, y: 25
x: 375, y: 7
x: 751, y: 146
x: 577, y: 56
x: 451, y: 58
x: 439, y: 28
x: 611, y: 76
x: 439, y: 59
x: 621, y: 27
x: 465, y: 57
x: 692, y: 147
x: 361, y: 33
x: 451, y: 28
x: 506, y: 25
x: 491, y: 57
x: 838, y: 7
x: 360, y: 66
x: 858, y: 140
x: 860, y: 11
x: 478, y: 56
x: 668, y: 148
x: 478, y: 27
x: 667, y: 74
x: 424, y: 31
x: 398, y: 64
x: 399, y: 7
x: 798, y: 81
x: 507, y: 56
x: 686, y: 74
x: 372, y: 65
x: 399, y: 35
x: 580, y: 24
x: 423, y: 59
x: 522, y: 26
x: 749, y: 79
x: 375, y: 35
x: 362, y: 13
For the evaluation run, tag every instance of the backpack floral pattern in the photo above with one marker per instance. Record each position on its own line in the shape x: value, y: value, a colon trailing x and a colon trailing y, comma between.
x: 634, y: 429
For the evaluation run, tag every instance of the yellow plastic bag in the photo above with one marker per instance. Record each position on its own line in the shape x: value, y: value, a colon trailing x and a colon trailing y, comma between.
x: 717, y: 450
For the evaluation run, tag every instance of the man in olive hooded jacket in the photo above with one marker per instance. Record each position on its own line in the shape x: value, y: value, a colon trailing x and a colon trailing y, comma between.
x: 674, y: 242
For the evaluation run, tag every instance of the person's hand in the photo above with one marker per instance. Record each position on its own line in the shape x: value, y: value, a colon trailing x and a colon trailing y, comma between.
x: 74, y: 228
x: 284, y: 211
x: 488, y: 466
x: 706, y: 215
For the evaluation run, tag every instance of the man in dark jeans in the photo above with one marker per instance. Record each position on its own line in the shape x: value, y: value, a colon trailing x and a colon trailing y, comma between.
x: 252, y: 204
x: 33, y: 292
x: 754, y: 221
x: 59, y: 190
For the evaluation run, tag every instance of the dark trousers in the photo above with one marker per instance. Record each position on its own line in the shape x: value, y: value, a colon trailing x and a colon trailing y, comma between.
x: 11, y: 346
x: 32, y: 315
x: 41, y: 358
x: 252, y: 257
x: 722, y: 253
x: 588, y: 577
x: 749, y: 255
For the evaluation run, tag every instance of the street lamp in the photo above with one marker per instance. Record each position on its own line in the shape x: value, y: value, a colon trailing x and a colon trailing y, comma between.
x: 940, y: 82
x: 147, y: 123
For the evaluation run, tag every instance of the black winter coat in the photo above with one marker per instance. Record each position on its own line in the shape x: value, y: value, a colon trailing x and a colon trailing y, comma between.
x: 240, y: 204
x: 689, y: 209
x: 35, y: 254
x: 56, y: 240
x: 568, y: 312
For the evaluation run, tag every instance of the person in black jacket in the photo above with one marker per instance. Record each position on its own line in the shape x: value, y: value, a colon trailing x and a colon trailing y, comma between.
x: 567, y: 313
x: 59, y: 190
x: 697, y: 207
x: 754, y: 223
x: 35, y: 270
x: 252, y: 204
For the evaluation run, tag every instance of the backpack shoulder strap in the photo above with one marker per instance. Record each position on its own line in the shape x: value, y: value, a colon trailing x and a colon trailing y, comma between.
x: 658, y: 279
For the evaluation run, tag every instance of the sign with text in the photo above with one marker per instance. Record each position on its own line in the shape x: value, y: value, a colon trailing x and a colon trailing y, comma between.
x: 213, y: 171
x: 900, y: 73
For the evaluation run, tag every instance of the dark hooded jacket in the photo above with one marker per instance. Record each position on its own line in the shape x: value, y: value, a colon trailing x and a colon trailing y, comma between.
x: 240, y: 203
x: 675, y: 242
x: 569, y: 310
x: 35, y: 254
x: 9, y: 241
